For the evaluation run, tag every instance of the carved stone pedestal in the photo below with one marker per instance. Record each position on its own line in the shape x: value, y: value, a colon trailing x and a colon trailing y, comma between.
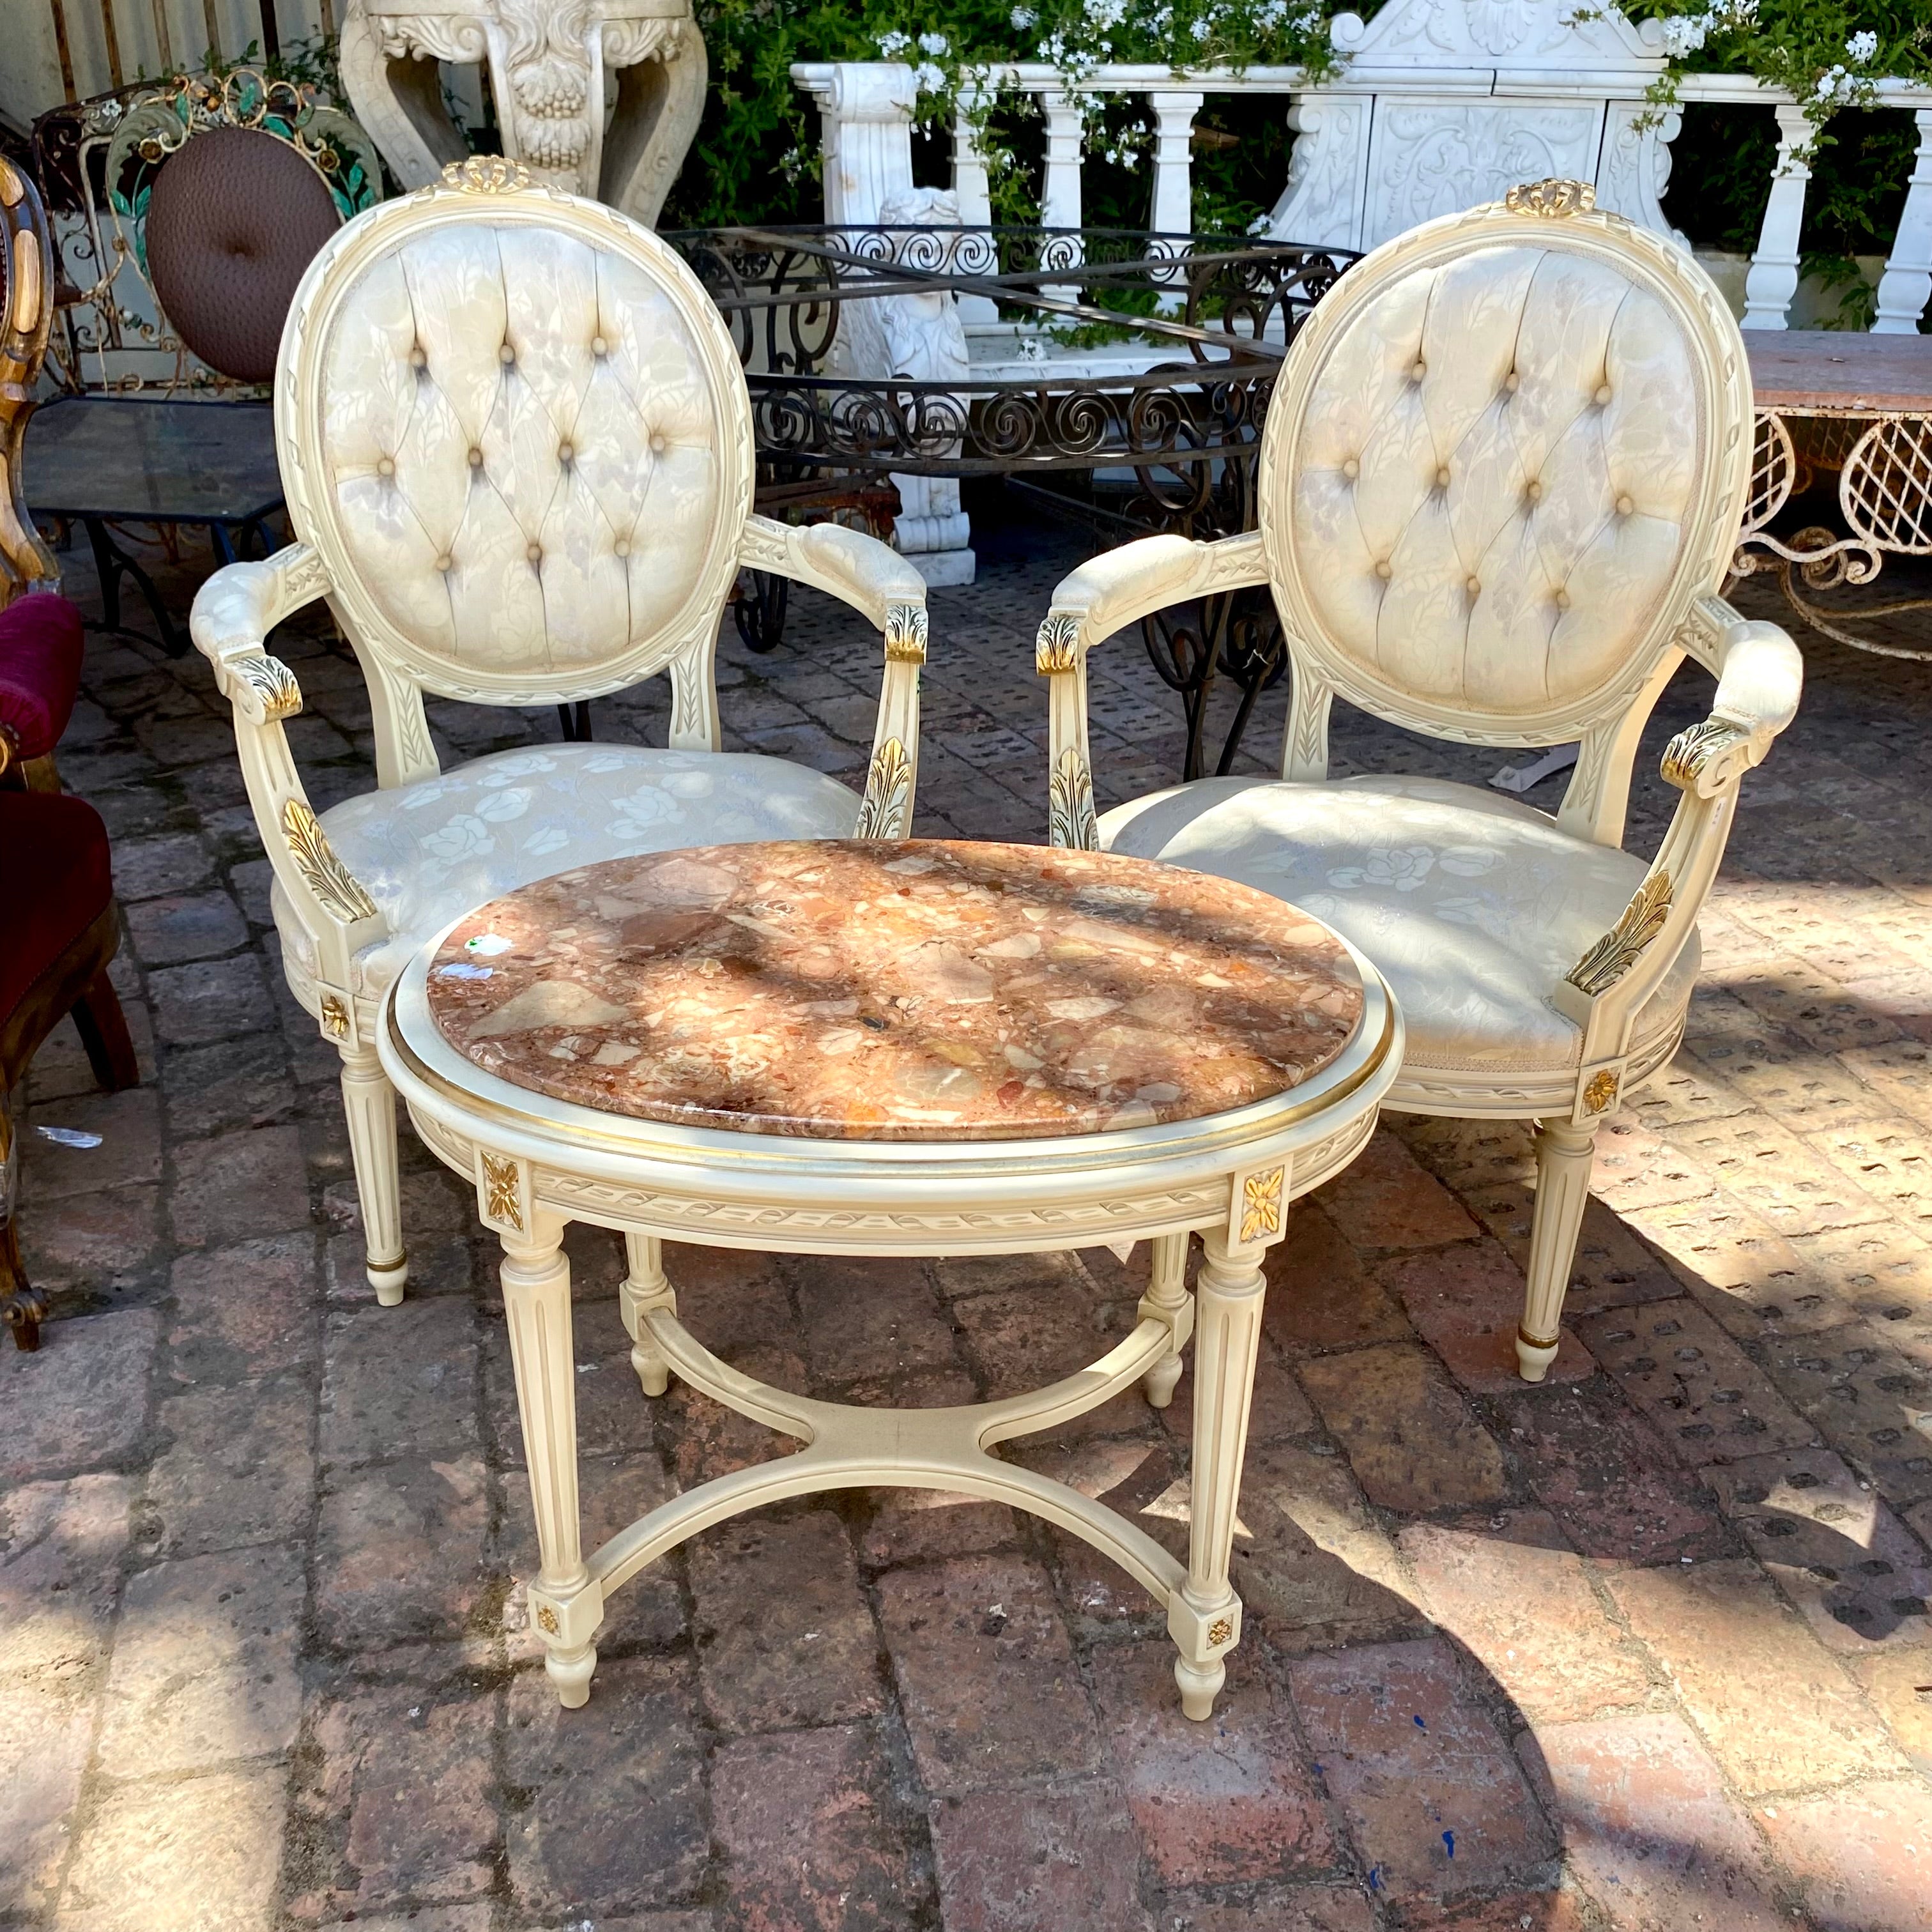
x: 547, y: 60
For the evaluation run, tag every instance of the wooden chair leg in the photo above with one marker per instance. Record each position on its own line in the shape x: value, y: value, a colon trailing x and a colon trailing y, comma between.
x: 23, y: 1306
x: 103, y: 1027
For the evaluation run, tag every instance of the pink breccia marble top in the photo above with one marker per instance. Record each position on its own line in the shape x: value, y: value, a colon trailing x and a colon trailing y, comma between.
x: 908, y: 991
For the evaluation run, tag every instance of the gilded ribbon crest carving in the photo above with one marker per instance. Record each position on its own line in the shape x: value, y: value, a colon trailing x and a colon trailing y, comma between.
x: 1071, y: 823
x: 1619, y: 949
x: 905, y: 633
x: 486, y: 174
x: 499, y: 1191
x: 1057, y: 647
x: 1220, y: 1631
x: 1551, y: 198
x: 326, y: 876
x: 886, y: 806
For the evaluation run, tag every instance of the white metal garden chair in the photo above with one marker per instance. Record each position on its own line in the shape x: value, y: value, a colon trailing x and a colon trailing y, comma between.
x: 517, y: 446
x: 1500, y: 480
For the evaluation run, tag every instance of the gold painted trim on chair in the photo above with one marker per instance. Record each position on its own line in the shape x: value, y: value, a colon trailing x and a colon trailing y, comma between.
x: 327, y: 876
x: 1057, y: 647
x: 882, y: 814
x: 906, y: 633
x: 1620, y: 949
x: 1551, y: 198
x: 485, y: 174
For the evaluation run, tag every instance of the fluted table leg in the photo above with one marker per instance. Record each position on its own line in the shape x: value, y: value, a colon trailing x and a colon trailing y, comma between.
x: 645, y: 1291
x: 1204, y: 1617
x: 1167, y: 1300
x: 566, y: 1603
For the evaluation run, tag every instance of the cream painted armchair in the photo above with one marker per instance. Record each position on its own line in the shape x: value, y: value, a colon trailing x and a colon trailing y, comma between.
x: 1500, y: 480
x: 517, y: 447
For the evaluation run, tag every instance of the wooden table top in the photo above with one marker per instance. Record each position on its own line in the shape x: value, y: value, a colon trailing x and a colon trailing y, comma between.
x: 1834, y: 372
x: 917, y: 990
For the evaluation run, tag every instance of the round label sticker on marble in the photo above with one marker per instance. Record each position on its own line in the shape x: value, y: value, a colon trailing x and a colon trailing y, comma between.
x: 915, y: 991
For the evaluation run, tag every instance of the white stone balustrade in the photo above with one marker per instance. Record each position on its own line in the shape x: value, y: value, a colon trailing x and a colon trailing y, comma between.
x: 1441, y: 104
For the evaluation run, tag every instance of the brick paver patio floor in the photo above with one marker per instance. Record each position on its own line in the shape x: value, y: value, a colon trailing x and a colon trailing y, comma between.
x: 1648, y: 1646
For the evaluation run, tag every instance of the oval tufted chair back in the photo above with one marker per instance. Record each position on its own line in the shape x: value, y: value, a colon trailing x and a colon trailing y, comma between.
x: 515, y: 429
x: 1507, y: 451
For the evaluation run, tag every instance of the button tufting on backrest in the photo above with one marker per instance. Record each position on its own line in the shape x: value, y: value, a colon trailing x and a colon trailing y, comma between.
x: 385, y: 468
x: 1439, y: 592
x: 546, y: 580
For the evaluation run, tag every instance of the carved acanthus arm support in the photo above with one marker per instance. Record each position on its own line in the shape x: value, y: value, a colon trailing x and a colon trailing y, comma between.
x: 1105, y: 595
x: 1760, y: 677
x: 872, y: 577
x: 234, y: 611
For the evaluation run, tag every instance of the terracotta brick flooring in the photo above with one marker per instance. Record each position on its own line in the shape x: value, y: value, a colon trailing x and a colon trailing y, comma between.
x: 1646, y: 1647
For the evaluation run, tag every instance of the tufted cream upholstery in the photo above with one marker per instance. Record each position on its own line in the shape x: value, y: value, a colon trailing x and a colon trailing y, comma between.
x: 1472, y: 906
x: 521, y: 441
x: 516, y: 442
x: 426, y: 853
x: 1500, y: 482
x: 1488, y: 499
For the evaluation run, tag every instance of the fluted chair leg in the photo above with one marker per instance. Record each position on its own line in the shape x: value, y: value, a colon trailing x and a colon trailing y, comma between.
x: 1564, y: 1154
x: 369, y: 1102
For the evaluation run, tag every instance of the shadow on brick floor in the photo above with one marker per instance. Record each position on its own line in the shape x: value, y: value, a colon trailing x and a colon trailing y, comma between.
x: 1647, y: 1646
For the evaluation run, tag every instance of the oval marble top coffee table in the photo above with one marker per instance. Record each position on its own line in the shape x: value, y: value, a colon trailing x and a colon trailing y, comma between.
x: 900, y: 1048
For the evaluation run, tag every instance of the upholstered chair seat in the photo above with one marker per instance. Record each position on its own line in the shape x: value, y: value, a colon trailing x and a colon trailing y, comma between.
x: 429, y: 852
x: 517, y: 446
x: 1472, y: 905
x: 1500, y: 485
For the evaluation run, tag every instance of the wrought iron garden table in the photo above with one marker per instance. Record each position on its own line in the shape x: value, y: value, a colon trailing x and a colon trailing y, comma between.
x: 1860, y: 406
x: 891, y: 1048
x: 1213, y: 315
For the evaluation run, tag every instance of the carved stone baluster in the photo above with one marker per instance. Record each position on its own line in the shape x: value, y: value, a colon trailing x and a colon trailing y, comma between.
x: 1773, y: 280
x: 1907, y: 280
x: 972, y: 192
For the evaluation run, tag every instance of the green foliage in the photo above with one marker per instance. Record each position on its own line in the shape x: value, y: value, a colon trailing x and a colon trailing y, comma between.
x: 756, y: 157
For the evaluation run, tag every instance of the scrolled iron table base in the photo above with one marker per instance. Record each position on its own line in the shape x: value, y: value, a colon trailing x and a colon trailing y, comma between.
x: 1863, y: 405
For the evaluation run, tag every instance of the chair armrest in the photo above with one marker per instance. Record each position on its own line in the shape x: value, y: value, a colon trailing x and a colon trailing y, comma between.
x: 40, y: 647
x: 1760, y: 678
x: 1104, y: 595
x: 234, y: 612
x: 1119, y: 587
x: 873, y: 578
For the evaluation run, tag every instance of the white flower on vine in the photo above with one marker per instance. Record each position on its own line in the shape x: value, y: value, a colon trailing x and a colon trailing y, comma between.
x: 893, y: 44
x: 1836, y: 84
x: 1862, y: 46
x: 1684, y: 33
x: 928, y: 78
x: 1200, y: 30
x: 934, y: 44
x: 1023, y: 17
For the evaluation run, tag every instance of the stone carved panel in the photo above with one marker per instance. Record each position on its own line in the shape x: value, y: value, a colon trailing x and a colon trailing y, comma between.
x: 1510, y: 35
x: 551, y: 63
x: 1430, y: 157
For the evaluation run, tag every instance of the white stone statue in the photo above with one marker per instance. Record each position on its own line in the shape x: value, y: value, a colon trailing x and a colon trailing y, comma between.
x: 547, y: 60
x: 921, y: 337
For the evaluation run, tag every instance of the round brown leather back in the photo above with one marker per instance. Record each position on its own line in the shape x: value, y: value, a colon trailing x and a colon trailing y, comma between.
x: 234, y: 217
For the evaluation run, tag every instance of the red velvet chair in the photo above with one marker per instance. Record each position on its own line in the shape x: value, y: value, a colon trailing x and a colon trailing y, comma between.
x: 61, y: 926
